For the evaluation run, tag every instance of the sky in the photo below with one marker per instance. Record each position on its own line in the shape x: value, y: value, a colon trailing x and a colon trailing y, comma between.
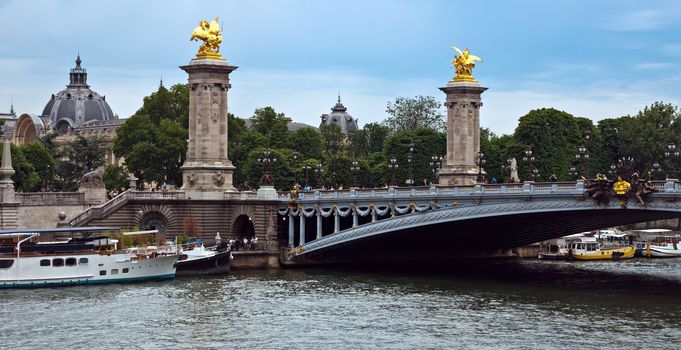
x: 594, y: 59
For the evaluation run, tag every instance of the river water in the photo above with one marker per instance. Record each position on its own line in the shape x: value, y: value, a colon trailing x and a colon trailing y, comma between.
x: 503, y: 304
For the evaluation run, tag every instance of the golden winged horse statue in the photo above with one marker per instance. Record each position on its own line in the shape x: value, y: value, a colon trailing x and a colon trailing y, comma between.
x: 211, y: 35
x: 464, y: 64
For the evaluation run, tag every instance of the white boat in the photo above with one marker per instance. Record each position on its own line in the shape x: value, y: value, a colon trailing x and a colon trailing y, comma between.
x: 663, y: 247
x: 197, y: 259
x: 556, y: 249
x: 81, y: 261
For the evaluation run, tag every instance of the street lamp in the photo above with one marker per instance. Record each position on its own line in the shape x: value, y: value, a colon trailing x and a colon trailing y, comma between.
x: 613, y: 171
x: 528, y: 158
x: 625, y: 167
x: 480, y: 162
x: 435, y: 164
x: 266, y: 161
x: 392, y: 165
x: 582, y: 157
x: 410, y: 157
x: 656, y: 171
x: 671, y: 153
x: 318, y: 171
x: 354, y: 168
x: 307, y: 168
x: 573, y: 173
x: 535, y: 174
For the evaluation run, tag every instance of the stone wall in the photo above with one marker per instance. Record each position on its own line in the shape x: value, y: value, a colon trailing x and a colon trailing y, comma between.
x: 45, y: 216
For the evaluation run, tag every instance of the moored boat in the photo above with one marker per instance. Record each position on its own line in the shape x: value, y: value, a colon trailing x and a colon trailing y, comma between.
x: 556, y: 249
x: 663, y: 247
x: 197, y: 259
x: 588, y: 248
x: 77, y: 261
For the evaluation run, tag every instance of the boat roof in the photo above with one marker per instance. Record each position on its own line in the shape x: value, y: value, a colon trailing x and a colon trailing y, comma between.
x: 59, y: 230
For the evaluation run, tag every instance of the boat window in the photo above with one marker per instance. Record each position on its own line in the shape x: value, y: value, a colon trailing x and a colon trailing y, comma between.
x: 125, y: 270
x: 83, y: 261
x: 45, y: 262
x: 6, y: 263
x: 71, y: 262
x: 114, y: 271
x: 58, y: 262
x: 102, y: 272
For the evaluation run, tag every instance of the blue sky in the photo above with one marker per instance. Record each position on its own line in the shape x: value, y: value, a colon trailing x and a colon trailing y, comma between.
x: 594, y: 59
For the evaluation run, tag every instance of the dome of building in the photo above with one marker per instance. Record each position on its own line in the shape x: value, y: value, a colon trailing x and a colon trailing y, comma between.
x: 77, y: 105
x: 340, y: 117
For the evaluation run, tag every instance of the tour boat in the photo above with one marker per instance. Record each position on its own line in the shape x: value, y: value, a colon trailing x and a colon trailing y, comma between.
x: 588, y: 248
x: 553, y: 250
x: 197, y: 259
x: 77, y: 261
x: 663, y: 247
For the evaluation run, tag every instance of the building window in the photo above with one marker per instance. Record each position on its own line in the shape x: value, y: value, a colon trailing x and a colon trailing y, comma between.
x: 6, y: 263
x: 125, y: 270
x: 58, y: 262
x: 71, y: 262
x: 102, y: 272
x: 45, y: 262
x: 83, y: 260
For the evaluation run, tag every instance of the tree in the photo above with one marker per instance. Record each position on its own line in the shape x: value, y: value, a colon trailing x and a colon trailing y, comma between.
x: 332, y: 137
x: 408, y: 114
x: 308, y: 142
x: 76, y: 158
x: 427, y: 142
x: 42, y: 161
x: 25, y: 177
x: 115, y: 177
x: 170, y: 104
x: 272, y: 125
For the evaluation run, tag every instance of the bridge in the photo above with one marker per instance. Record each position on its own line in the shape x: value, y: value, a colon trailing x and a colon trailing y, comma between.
x: 449, y: 221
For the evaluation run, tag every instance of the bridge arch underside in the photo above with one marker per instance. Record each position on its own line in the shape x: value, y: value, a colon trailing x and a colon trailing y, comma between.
x: 465, y: 237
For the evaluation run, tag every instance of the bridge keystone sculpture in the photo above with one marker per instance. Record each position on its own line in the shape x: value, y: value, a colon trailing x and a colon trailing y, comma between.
x: 207, y: 171
x: 463, y: 122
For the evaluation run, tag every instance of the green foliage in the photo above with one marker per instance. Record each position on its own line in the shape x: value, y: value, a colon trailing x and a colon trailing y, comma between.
x: 308, y: 142
x: 25, y: 177
x: 272, y: 125
x: 332, y: 137
x: 76, y: 158
x: 115, y: 177
x: 170, y: 104
x: 252, y: 170
x: 42, y: 161
x: 427, y: 143
x: 409, y: 114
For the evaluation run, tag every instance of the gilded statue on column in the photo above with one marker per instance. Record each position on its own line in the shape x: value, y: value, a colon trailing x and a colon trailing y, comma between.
x: 463, y: 65
x: 211, y: 35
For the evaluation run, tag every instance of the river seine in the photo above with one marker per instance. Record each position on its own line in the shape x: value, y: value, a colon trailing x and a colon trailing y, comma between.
x: 506, y: 304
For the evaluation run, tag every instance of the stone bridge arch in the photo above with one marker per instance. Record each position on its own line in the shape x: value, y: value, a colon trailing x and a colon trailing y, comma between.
x: 155, y: 217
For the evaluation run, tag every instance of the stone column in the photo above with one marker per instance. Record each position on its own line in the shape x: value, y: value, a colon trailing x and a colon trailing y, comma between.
x: 336, y: 221
x: 319, y: 224
x: 463, y: 132
x: 8, y: 204
x: 355, y: 218
x: 302, y: 227
x: 207, y: 172
x: 291, y: 230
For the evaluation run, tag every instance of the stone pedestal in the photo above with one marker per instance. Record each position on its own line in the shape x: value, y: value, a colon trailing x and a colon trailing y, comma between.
x: 463, y: 133
x: 94, y: 195
x: 267, y: 193
x: 208, y: 172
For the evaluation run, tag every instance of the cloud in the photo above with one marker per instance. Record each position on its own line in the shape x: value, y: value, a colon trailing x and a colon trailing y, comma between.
x: 640, y: 20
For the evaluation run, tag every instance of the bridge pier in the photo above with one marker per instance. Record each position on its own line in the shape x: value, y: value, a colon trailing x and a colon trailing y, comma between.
x: 291, y: 230
x: 302, y: 228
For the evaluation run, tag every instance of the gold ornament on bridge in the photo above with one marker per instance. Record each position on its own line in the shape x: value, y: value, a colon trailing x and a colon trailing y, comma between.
x: 211, y: 35
x: 463, y: 65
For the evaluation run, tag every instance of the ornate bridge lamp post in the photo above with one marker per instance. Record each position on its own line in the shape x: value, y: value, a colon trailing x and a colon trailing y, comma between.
x: 656, y: 171
x: 318, y: 171
x: 435, y: 164
x: 613, y: 171
x: 295, y: 157
x: 583, y: 158
x: 535, y: 174
x: 354, y: 168
x: 266, y: 161
x: 625, y: 167
x: 480, y: 162
x: 392, y: 165
x: 307, y: 168
x: 410, y: 157
x: 672, y: 154
x: 528, y: 159
x: 573, y: 173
